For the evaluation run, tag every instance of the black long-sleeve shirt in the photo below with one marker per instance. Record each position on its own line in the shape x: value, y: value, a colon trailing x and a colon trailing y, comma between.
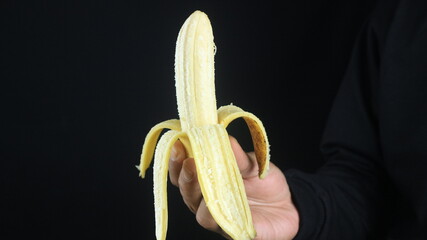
x: 374, y: 183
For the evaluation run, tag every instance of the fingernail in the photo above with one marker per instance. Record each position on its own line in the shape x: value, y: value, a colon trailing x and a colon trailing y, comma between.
x: 174, y: 154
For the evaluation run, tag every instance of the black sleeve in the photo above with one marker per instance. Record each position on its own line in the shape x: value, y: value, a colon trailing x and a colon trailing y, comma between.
x: 341, y: 199
x: 345, y: 198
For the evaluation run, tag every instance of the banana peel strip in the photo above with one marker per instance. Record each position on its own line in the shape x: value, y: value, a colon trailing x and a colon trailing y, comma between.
x: 220, y: 178
x: 160, y: 179
x: 228, y: 113
x: 151, y: 141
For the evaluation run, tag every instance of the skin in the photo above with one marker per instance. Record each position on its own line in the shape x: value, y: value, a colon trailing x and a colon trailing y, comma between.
x: 273, y: 212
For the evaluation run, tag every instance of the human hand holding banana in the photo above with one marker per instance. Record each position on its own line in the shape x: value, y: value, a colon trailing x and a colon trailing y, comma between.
x: 273, y: 213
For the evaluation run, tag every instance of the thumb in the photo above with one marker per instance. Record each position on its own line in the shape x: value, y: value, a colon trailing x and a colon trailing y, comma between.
x: 246, y: 161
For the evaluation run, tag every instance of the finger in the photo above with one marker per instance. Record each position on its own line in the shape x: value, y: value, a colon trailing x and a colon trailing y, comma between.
x: 175, y: 162
x: 189, y: 185
x: 246, y: 161
x: 205, y: 219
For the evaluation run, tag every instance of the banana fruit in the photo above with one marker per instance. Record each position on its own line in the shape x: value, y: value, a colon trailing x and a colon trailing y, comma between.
x: 202, y: 130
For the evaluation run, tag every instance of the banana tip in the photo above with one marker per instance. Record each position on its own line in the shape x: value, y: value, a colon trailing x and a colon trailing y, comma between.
x: 141, y: 173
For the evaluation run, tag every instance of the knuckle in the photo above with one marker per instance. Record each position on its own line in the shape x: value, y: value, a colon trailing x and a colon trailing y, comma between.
x: 183, y: 183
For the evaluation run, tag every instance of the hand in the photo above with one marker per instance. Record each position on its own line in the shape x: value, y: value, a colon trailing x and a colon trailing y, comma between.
x: 274, y: 215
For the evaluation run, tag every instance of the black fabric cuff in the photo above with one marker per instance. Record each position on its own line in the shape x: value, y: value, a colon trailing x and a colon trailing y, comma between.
x: 311, y: 209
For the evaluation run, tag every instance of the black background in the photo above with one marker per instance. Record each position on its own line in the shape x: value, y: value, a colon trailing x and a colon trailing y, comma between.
x: 82, y: 82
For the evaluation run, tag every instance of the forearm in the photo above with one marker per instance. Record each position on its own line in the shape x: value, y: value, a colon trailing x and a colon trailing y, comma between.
x: 336, y: 206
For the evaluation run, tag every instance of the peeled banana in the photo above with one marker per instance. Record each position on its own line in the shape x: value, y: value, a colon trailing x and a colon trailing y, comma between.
x: 202, y: 130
